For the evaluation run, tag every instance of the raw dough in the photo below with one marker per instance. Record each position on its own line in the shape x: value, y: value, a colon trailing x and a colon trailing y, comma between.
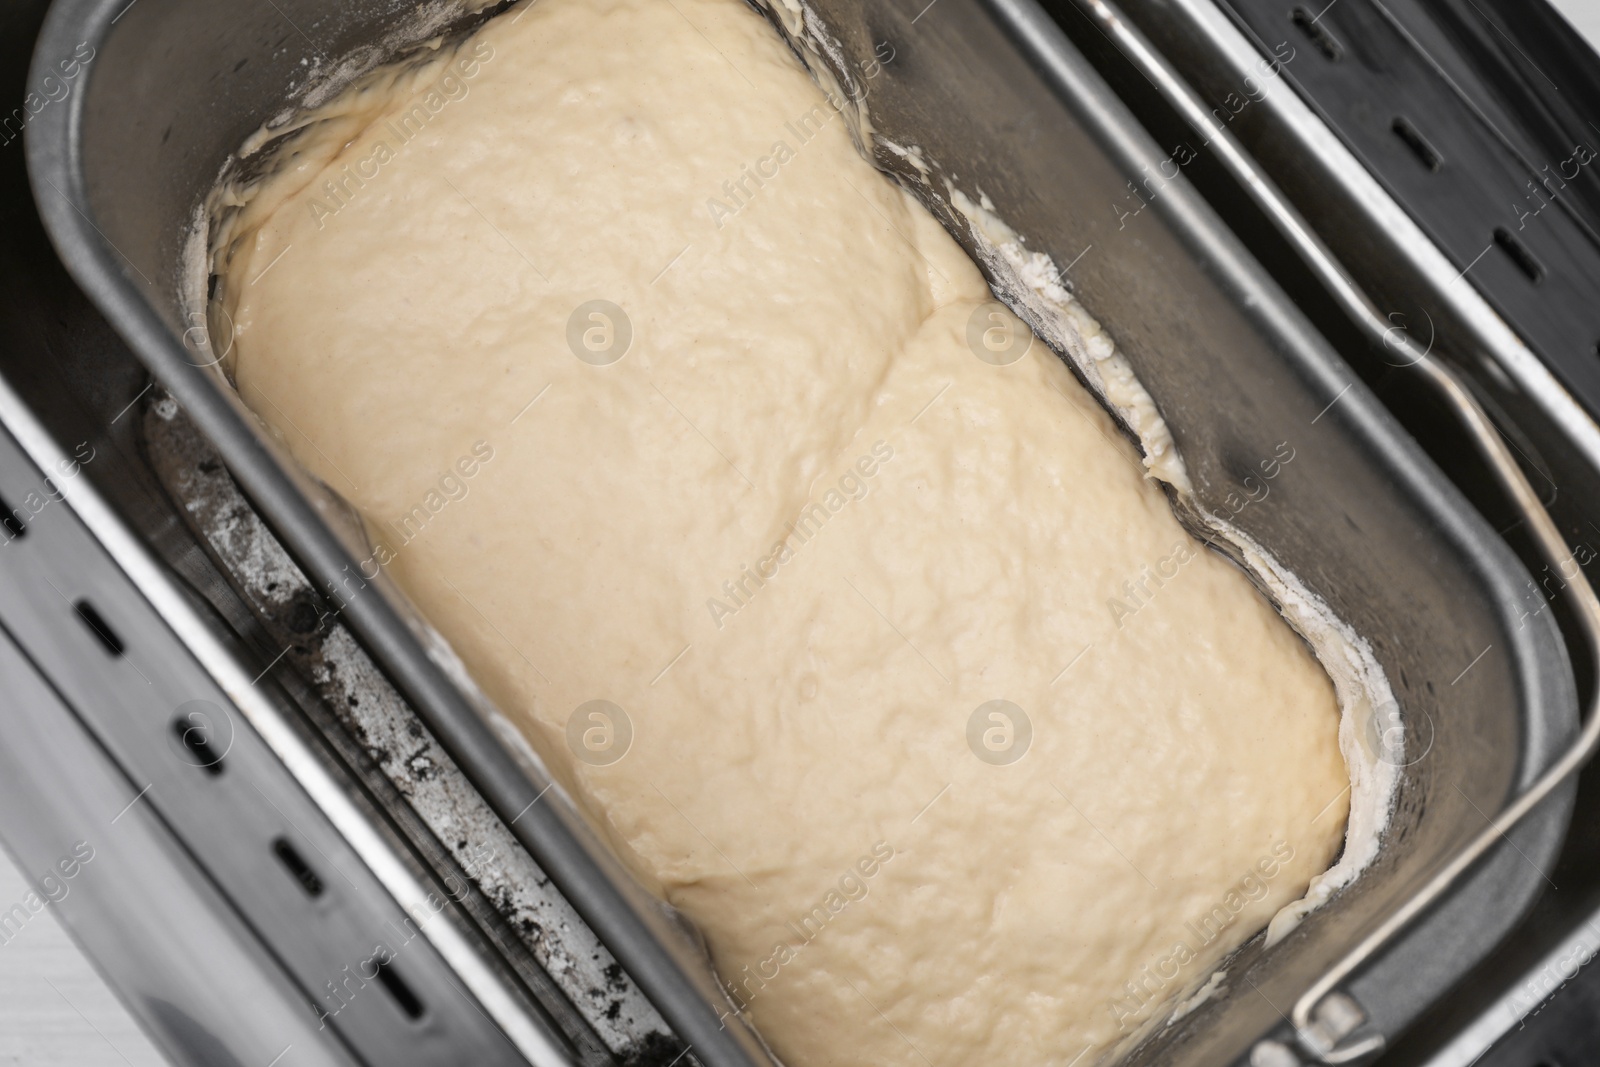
x: 799, y: 533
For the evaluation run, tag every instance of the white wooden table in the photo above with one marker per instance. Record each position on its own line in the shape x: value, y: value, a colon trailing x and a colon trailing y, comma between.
x: 54, y: 1009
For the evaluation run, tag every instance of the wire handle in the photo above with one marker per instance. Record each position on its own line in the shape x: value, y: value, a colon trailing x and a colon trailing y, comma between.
x: 1320, y: 1017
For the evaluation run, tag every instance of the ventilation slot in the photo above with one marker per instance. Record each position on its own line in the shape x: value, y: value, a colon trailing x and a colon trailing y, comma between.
x: 1426, y: 154
x: 1519, y: 255
x: 296, y: 865
x: 99, y: 627
x: 1319, y: 36
x: 402, y: 994
x: 192, y: 736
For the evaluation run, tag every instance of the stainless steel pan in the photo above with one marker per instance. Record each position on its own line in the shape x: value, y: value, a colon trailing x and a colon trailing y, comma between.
x: 991, y: 92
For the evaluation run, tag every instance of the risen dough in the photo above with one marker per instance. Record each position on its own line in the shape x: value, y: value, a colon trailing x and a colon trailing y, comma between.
x: 799, y: 779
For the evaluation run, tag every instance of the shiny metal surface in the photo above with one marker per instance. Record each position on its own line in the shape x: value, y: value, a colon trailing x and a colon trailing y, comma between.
x: 55, y: 1008
x: 173, y: 705
x: 160, y: 931
x: 1417, y: 359
x: 1420, y: 291
x: 998, y: 99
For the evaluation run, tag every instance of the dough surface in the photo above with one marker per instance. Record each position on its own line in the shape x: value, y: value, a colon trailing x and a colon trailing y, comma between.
x: 799, y: 533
